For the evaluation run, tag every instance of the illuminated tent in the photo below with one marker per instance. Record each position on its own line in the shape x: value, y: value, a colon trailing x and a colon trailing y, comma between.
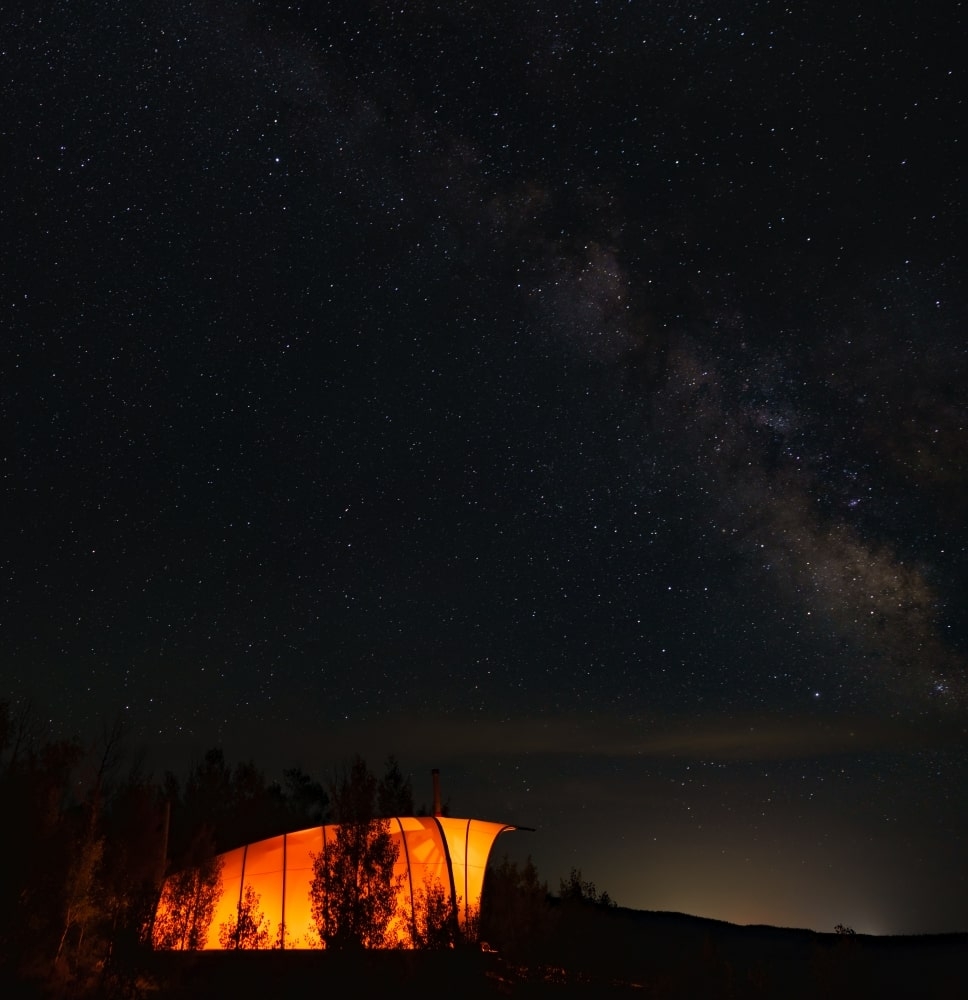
x: 431, y: 851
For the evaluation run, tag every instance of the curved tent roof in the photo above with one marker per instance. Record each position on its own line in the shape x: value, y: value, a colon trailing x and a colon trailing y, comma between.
x: 431, y: 851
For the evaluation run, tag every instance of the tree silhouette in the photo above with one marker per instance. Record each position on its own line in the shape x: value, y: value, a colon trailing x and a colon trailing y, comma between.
x: 45, y: 889
x: 188, y: 901
x: 576, y: 889
x: 249, y: 928
x: 514, y: 915
x: 434, y: 917
x: 304, y: 799
x: 395, y: 792
x: 82, y: 904
x: 135, y: 823
x: 354, y: 891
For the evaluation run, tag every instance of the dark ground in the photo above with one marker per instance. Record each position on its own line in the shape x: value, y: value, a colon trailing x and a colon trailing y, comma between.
x: 607, y: 952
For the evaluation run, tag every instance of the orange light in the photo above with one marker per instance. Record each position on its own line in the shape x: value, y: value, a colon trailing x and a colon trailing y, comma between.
x: 431, y: 851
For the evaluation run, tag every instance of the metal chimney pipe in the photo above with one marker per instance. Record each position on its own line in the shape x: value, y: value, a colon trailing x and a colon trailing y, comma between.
x: 436, y: 775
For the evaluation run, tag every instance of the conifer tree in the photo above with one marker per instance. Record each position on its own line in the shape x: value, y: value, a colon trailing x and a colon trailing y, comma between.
x: 354, y: 892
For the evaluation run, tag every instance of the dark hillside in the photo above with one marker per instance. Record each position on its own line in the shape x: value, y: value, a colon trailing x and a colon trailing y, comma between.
x: 610, y: 951
x: 674, y: 955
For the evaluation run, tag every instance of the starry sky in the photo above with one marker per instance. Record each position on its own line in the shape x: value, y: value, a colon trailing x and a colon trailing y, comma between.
x: 568, y: 396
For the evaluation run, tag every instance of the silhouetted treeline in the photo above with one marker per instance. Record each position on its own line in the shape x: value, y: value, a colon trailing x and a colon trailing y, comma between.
x: 83, y: 854
x: 529, y: 926
x: 218, y: 806
x: 90, y: 836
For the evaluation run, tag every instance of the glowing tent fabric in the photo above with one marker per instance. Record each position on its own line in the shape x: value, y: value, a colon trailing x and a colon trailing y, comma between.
x: 431, y: 851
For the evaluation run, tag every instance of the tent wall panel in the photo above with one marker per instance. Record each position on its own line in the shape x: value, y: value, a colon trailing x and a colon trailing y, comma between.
x: 431, y: 851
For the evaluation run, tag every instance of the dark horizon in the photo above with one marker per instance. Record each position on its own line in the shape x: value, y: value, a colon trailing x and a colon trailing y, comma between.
x: 475, y: 785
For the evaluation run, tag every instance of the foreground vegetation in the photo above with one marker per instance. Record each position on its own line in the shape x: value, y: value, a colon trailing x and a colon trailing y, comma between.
x: 91, y: 837
x: 97, y: 841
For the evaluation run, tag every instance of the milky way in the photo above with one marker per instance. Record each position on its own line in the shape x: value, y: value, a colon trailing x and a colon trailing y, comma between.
x: 570, y: 398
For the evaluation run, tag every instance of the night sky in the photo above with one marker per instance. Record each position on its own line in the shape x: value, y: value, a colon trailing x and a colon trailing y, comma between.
x: 570, y: 396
